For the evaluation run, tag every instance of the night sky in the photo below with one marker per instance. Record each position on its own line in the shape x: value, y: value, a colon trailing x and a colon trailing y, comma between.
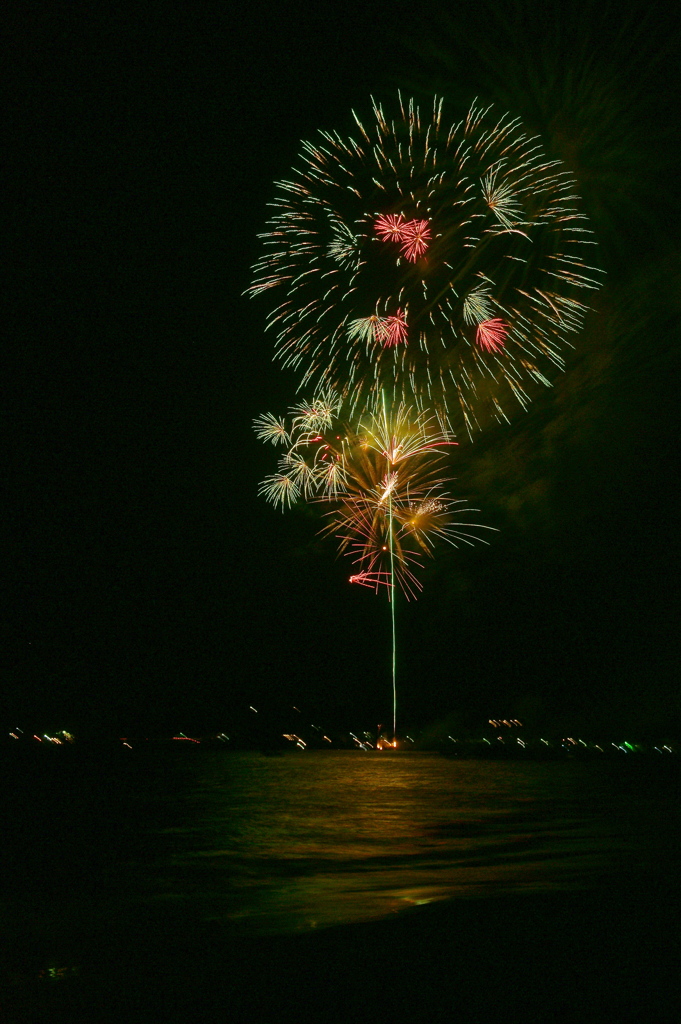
x: 146, y: 584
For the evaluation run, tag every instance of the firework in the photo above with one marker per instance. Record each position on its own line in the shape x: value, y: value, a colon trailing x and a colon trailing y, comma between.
x: 381, y: 481
x: 448, y: 265
x: 491, y: 335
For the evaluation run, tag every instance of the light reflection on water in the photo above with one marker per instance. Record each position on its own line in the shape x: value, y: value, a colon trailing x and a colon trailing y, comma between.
x: 304, y: 841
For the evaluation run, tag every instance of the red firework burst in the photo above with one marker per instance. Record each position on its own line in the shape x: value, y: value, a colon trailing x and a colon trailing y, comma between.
x: 395, y: 330
x: 390, y: 227
x: 491, y: 334
x: 415, y: 239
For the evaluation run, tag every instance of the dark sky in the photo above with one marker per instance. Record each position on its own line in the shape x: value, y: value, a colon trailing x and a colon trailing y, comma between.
x: 145, y: 580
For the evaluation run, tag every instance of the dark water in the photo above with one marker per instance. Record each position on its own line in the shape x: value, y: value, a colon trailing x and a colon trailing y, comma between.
x: 277, y: 844
x: 174, y: 840
x: 299, y: 842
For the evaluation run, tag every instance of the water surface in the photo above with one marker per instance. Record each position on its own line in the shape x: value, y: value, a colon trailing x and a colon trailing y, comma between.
x: 302, y: 841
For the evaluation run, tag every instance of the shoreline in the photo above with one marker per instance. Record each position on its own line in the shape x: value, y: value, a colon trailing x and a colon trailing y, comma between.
x: 605, y: 952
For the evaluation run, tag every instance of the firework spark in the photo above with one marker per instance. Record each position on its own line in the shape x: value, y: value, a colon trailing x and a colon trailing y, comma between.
x: 394, y: 251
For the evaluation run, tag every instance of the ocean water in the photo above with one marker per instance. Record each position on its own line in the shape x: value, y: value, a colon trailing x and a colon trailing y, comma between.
x: 302, y: 841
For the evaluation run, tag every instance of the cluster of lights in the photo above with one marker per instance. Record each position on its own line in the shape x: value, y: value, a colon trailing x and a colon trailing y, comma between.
x: 361, y: 744
x: 293, y: 738
x: 367, y: 741
x: 381, y: 742
x: 570, y: 741
x: 59, y: 738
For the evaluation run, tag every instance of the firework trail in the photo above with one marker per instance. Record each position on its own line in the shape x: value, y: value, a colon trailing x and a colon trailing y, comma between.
x: 383, y: 482
x: 446, y: 265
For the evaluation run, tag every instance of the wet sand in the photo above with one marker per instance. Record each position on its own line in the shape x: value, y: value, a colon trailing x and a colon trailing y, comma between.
x: 605, y: 954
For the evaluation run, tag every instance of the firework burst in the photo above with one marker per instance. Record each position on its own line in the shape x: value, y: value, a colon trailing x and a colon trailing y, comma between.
x: 382, y: 484
x: 446, y: 264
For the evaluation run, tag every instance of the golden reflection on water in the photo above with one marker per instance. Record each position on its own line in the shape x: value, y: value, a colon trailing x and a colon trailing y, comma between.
x: 310, y: 840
